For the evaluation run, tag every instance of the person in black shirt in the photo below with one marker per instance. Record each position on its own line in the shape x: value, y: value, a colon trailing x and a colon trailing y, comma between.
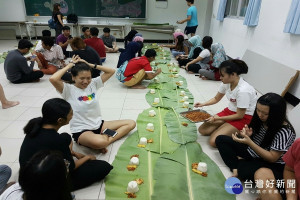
x: 41, y: 134
x: 86, y: 53
x: 58, y: 18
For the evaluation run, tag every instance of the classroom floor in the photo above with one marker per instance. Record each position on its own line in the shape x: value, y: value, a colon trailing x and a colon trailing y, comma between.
x: 116, y: 101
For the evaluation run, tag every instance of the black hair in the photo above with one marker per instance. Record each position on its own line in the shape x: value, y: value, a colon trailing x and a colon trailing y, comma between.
x: 106, y: 30
x: 52, y: 110
x: 55, y: 8
x: 129, y: 37
x: 65, y: 28
x: 79, y: 67
x: 24, y: 44
x: 191, y: 1
x: 48, y: 41
x: 141, y: 47
x: 84, y: 28
x: 45, y: 177
x: 207, y: 42
x: 94, y: 31
x: 46, y: 33
x: 234, y: 66
x: 179, y: 44
x: 276, y: 117
x: 150, y: 53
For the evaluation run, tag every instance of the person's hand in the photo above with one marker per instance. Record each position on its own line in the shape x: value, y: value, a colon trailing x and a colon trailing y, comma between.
x: 91, y: 157
x: 212, y: 119
x: 247, y: 131
x: 241, y: 138
x: 179, y: 22
x: 198, y: 105
x: 75, y: 59
x: 158, y: 71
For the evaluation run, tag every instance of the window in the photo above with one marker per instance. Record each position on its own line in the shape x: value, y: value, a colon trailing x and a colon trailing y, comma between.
x: 236, y: 8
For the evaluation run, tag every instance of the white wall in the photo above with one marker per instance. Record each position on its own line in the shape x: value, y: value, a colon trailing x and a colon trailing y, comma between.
x: 266, y: 39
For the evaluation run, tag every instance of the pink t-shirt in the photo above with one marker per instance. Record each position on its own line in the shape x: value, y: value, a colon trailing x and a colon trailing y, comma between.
x: 292, y: 160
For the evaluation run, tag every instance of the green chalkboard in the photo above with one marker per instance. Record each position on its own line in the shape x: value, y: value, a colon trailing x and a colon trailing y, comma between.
x: 89, y: 8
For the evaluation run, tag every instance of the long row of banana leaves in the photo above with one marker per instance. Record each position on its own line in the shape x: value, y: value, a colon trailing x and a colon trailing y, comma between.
x: 165, y: 164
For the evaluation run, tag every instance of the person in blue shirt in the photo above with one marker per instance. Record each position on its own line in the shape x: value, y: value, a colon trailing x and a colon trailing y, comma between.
x: 192, y: 21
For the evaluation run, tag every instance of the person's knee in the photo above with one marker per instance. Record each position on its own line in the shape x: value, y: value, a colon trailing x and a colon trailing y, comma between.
x: 203, y: 131
x: 263, y: 174
x: 5, y: 171
x: 132, y: 124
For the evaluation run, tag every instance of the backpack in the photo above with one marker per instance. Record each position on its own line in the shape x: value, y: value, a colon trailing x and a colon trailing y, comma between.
x: 72, y: 18
x: 52, y: 23
x: 120, y: 72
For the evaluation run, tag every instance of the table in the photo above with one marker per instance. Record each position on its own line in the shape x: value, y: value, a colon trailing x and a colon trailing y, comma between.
x: 18, y: 23
x: 35, y: 25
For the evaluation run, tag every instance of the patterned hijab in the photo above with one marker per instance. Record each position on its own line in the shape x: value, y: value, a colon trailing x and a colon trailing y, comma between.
x: 196, y: 41
x: 219, y: 53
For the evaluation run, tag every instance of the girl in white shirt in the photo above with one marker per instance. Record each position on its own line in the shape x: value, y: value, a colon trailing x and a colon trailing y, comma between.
x: 242, y: 100
x: 87, y: 125
x: 201, y: 62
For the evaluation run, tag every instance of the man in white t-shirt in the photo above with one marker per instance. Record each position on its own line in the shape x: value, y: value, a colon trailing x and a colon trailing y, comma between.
x: 50, y: 57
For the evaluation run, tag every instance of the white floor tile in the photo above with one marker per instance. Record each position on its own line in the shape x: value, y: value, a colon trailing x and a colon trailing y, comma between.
x: 31, y: 113
x: 10, y: 149
x: 12, y: 113
x: 14, y: 130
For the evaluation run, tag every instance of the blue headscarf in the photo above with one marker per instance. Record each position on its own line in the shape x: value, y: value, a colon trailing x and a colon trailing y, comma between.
x: 196, y: 41
x: 130, y: 51
x: 219, y: 54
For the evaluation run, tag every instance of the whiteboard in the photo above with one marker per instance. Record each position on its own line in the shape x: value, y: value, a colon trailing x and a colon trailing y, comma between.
x: 267, y: 75
x: 12, y: 11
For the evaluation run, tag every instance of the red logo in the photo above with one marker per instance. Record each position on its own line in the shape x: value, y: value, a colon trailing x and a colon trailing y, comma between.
x: 232, y: 100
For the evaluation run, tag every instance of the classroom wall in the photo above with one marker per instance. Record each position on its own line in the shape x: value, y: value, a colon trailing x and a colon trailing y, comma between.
x: 176, y: 10
x: 266, y: 39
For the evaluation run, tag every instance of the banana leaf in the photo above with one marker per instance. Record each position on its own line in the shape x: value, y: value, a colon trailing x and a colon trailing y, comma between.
x: 117, y: 180
x: 176, y: 131
x: 161, y: 141
x: 169, y: 69
x: 168, y: 98
x: 174, y: 178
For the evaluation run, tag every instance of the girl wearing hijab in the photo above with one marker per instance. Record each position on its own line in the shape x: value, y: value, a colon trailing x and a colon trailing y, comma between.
x: 130, y: 52
x: 196, y: 47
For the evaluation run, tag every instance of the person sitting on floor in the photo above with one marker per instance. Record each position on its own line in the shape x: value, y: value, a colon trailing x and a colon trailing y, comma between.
x: 41, y: 134
x: 219, y: 56
x: 51, y: 57
x: 139, y: 69
x: 109, y: 41
x: 16, y: 67
x: 86, y: 33
x: 291, y: 171
x: 96, y: 43
x: 64, y: 40
x: 195, y: 43
x: 45, y: 33
x: 43, y: 176
x: 131, y: 50
x: 128, y: 38
x: 180, y: 47
x: 256, y: 152
x: 242, y: 100
x: 5, y: 174
x: 5, y: 103
x: 87, y: 125
x: 201, y: 62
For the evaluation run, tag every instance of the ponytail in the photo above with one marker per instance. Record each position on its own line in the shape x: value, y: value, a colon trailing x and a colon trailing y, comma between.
x: 234, y: 66
x: 33, y: 126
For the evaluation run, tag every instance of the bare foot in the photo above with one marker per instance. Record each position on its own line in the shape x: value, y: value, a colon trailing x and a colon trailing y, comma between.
x: 204, y: 78
x: 9, y: 104
x: 190, y: 72
x: 104, y: 150
x: 138, y: 87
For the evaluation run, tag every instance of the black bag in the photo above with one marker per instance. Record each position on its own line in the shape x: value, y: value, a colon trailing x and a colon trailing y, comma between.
x: 72, y: 18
